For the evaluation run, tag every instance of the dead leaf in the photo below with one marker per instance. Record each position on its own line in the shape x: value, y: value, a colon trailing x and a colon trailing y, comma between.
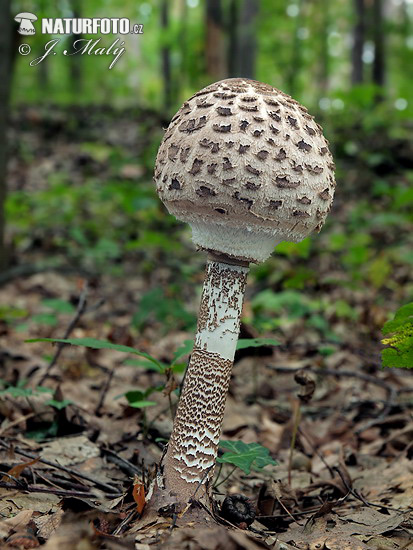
x: 16, y: 523
x: 13, y: 502
x: 67, y: 451
x: 370, y: 521
x: 18, y: 469
x: 48, y: 523
x: 139, y: 495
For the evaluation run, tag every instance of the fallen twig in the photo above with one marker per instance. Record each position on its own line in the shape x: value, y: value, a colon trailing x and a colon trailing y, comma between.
x: 124, y: 523
x: 108, y: 488
x: 36, y: 489
x: 123, y: 464
x: 104, y: 391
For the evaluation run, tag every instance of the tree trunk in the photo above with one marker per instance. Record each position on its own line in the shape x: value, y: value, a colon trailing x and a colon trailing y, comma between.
x: 232, y: 29
x: 215, y: 41
x: 42, y: 70
x: 246, y: 43
x: 324, y: 51
x: 166, y: 57
x: 76, y: 61
x: 379, y: 63
x: 357, y: 74
x: 6, y: 25
x: 188, y: 465
x: 405, y: 22
x: 296, y: 58
x: 184, y: 43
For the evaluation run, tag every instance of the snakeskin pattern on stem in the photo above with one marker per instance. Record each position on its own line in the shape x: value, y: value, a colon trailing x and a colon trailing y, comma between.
x: 193, y: 446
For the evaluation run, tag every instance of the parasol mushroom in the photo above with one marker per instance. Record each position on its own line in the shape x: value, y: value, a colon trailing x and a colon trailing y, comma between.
x: 246, y: 167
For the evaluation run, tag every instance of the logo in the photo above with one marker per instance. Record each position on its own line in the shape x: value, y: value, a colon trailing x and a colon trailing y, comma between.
x: 26, y: 23
x: 77, y: 26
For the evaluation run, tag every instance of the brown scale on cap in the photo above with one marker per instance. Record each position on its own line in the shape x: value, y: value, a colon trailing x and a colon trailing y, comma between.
x: 278, y: 155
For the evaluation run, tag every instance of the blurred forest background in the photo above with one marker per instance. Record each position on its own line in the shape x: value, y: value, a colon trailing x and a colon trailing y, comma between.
x: 88, y: 250
x: 81, y: 142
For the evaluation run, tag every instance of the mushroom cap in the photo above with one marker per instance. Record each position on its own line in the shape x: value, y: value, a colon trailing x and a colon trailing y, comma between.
x: 247, y: 167
x: 29, y: 16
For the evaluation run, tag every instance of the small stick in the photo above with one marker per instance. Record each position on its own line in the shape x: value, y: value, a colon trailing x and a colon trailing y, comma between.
x: 108, y: 488
x: 296, y: 421
x: 225, y: 478
x: 36, y: 489
x: 104, y: 391
x: 124, y: 523
x: 123, y: 464
x: 278, y: 496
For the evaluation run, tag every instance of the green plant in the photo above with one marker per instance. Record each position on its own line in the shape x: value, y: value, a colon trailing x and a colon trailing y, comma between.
x: 139, y: 398
x: 166, y: 309
x: 21, y: 390
x: 245, y: 455
x: 40, y: 430
x: 399, y: 350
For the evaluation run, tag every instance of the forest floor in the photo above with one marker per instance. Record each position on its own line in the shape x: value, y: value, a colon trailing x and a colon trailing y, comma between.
x: 81, y: 432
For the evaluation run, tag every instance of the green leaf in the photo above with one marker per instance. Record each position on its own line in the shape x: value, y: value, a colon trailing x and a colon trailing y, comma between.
x: 44, y: 319
x: 59, y: 405
x: 246, y: 455
x: 98, y: 344
x: 326, y: 351
x: 404, y: 314
x: 17, y: 392
x: 11, y: 313
x: 144, y: 363
x: 301, y: 249
x: 399, y: 352
x: 44, y: 389
x: 244, y: 343
x: 184, y: 349
x: 141, y: 404
x: 135, y: 396
x: 49, y: 430
x: 398, y: 358
x: 58, y: 305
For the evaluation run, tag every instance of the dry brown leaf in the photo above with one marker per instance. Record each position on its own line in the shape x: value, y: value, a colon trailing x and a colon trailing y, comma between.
x: 18, y: 469
x: 67, y: 451
x: 13, y: 502
x: 369, y: 521
x: 322, y: 534
x: 138, y: 494
x: 48, y: 523
x: 15, y: 523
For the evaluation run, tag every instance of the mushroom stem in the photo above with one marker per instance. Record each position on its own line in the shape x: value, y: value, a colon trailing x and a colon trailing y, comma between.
x: 189, y: 462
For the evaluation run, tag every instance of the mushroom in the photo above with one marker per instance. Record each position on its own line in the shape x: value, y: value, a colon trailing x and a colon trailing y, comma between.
x: 247, y: 167
x: 26, y: 25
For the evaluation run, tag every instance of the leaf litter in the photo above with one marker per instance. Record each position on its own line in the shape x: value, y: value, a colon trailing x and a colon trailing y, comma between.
x: 347, y: 483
